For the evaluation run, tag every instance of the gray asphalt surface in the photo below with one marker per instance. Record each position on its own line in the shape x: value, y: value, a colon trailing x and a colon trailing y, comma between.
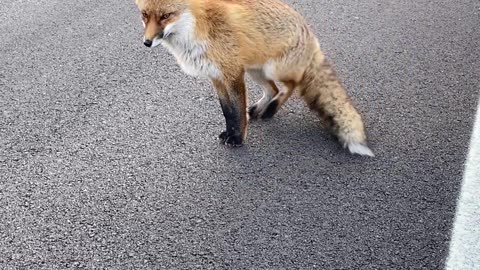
x: 109, y: 156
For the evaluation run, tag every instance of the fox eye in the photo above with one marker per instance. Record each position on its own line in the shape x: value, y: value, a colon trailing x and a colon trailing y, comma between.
x: 144, y: 15
x: 166, y: 16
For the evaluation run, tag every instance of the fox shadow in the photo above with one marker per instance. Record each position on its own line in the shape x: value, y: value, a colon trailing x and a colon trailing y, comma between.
x: 289, y: 137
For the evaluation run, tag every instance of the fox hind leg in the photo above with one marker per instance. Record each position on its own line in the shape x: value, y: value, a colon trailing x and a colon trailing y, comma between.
x: 280, y: 99
x: 270, y: 90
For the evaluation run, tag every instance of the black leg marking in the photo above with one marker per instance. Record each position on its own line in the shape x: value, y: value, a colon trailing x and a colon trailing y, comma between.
x: 271, y: 109
x: 232, y: 96
x: 232, y: 136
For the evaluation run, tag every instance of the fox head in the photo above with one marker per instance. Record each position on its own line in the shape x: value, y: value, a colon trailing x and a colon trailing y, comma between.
x: 159, y: 18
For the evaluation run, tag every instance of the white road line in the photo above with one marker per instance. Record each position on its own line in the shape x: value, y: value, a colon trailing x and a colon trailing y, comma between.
x: 465, y: 243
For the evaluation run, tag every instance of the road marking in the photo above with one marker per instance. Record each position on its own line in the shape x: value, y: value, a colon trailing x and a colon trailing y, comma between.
x: 465, y: 243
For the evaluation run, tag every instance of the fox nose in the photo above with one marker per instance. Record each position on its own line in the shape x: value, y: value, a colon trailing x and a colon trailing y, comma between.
x: 148, y: 43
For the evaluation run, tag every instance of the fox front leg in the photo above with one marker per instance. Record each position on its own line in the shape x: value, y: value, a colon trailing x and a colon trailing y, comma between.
x: 232, y: 96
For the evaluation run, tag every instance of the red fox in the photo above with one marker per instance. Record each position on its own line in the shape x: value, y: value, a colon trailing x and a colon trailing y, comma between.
x: 223, y: 39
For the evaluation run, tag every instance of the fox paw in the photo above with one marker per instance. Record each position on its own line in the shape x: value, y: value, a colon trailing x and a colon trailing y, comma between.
x: 231, y: 140
x: 253, y: 112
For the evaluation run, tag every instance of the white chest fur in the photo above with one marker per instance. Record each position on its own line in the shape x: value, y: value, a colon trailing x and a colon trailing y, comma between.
x: 179, y: 39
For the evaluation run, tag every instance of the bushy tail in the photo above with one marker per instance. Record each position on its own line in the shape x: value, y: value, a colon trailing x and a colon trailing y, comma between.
x: 324, y: 94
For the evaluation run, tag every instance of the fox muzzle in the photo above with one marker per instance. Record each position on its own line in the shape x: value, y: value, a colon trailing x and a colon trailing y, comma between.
x: 149, y: 42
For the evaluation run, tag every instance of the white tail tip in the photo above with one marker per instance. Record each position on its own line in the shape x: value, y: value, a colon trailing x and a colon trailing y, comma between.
x: 359, y: 148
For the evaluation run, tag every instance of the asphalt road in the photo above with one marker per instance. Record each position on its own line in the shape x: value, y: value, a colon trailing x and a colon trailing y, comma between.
x: 109, y: 157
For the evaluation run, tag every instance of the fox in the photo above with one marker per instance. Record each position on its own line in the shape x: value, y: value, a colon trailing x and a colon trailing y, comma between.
x: 267, y: 40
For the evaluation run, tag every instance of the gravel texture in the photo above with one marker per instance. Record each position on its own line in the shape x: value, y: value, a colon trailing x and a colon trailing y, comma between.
x: 109, y: 157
